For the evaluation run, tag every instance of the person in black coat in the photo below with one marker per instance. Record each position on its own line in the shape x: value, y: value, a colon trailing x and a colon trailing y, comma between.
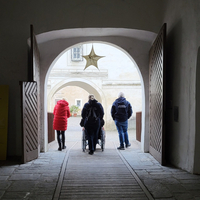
x: 92, y: 117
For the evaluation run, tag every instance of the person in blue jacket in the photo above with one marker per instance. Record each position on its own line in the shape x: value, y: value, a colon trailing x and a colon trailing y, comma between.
x: 92, y: 115
x: 121, y: 111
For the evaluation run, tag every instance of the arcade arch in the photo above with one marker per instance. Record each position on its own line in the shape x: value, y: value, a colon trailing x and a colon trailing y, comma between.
x: 90, y: 87
x: 116, y: 73
x: 133, y: 46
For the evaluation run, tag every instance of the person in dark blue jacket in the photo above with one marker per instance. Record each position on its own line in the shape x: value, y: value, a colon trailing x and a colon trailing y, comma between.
x: 92, y: 115
x: 121, y: 111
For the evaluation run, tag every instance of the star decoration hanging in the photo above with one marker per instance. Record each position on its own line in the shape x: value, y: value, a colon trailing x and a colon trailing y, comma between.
x: 92, y: 59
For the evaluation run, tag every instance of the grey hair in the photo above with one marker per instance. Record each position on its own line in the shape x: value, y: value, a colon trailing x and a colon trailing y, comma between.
x: 121, y: 94
x: 91, y: 96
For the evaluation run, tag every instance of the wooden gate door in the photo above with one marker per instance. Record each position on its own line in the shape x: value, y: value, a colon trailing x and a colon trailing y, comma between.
x: 157, y: 97
x: 30, y: 121
x: 30, y: 102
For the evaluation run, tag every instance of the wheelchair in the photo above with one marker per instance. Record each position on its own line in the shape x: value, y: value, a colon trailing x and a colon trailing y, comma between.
x: 101, y: 139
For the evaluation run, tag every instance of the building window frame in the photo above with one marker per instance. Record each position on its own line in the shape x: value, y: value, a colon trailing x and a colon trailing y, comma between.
x: 76, y: 53
x: 78, y: 104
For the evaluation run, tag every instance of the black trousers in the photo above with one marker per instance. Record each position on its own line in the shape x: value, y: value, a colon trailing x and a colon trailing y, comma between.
x: 92, y: 134
x: 61, y: 139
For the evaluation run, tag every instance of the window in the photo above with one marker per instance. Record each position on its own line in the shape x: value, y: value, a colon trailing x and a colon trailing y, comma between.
x: 78, y: 102
x: 77, y: 53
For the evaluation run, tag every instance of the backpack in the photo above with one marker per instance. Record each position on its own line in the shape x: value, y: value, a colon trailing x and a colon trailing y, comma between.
x: 92, y: 116
x: 122, y: 108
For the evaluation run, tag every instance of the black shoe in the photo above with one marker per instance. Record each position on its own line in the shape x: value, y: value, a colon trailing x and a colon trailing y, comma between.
x: 120, y: 148
x: 59, y: 149
x: 91, y: 152
x: 64, y: 147
x: 128, y: 145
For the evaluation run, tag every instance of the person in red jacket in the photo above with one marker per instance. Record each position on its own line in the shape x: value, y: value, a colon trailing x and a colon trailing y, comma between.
x: 61, y: 113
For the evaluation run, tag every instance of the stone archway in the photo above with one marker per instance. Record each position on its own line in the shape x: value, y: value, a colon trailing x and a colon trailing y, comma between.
x: 116, y: 73
x: 89, y: 85
x: 135, y: 44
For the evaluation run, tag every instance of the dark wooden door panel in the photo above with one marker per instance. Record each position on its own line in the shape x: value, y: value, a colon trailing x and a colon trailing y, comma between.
x: 157, y: 96
x: 30, y: 121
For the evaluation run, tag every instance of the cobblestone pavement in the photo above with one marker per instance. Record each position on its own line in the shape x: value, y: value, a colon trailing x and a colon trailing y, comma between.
x: 38, y: 179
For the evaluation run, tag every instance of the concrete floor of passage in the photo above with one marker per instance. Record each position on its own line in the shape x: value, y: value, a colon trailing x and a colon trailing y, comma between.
x: 99, y: 176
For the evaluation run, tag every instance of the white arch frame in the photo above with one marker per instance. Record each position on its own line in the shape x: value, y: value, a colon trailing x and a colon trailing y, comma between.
x: 143, y: 147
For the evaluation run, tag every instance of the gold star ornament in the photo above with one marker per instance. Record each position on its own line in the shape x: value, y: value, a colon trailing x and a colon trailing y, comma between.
x: 92, y: 59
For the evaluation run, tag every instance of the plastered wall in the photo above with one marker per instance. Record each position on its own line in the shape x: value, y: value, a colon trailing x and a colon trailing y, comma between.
x: 182, y: 50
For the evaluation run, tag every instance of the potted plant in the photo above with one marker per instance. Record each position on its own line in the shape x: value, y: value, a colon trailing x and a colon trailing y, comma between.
x: 74, y: 110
